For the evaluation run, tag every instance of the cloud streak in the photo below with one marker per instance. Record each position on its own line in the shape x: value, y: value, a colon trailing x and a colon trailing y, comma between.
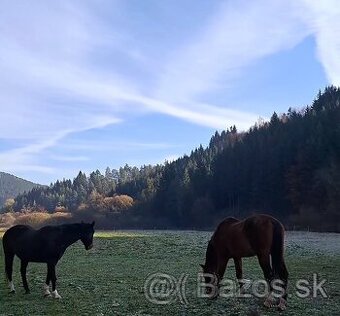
x: 238, y: 34
x: 23, y: 158
x: 323, y: 18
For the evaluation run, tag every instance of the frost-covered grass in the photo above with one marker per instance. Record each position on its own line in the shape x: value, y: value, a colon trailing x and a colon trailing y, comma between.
x: 109, y: 279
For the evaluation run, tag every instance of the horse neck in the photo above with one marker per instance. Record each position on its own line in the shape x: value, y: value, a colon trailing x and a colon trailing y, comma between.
x: 70, y: 235
x: 211, y: 257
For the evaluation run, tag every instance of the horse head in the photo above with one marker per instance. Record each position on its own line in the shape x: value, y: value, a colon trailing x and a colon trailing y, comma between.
x: 87, y: 231
x: 210, y: 273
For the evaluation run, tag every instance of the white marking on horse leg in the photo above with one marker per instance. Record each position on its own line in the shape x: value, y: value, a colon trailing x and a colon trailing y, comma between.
x: 11, y: 287
x: 56, y: 295
x: 47, y: 292
x: 282, y: 304
x: 269, y: 302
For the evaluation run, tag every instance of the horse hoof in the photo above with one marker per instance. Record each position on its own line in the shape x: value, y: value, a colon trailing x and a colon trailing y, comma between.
x: 12, y: 292
x: 56, y: 295
x: 47, y: 295
x: 282, y: 304
x: 28, y: 292
x: 268, y: 302
x: 282, y: 308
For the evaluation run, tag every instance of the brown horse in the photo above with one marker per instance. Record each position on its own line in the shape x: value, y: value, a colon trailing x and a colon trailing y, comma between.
x: 258, y: 235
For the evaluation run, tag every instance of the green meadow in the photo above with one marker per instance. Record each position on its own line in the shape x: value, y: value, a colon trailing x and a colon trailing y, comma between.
x: 109, y: 279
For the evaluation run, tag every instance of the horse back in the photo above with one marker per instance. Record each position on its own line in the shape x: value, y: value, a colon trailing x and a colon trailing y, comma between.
x: 229, y: 239
x: 260, y: 229
x: 246, y: 238
x: 17, y: 231
x: 14, y: 236
x: 261, y: 224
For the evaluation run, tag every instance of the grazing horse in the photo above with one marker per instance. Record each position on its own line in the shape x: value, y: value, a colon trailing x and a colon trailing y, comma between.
x: 258, y: 235
x: 46, y: 245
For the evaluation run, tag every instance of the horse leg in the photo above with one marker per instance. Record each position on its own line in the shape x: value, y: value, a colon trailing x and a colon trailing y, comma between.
x: 222, y: 265
x: 221, y: 268
x: 283, y: 275
x: 46, y: 286
x: 23, y: 270
x: 54, y: 293
x: 239, y: 272
x: 264, y: 261
x: 9, y: 257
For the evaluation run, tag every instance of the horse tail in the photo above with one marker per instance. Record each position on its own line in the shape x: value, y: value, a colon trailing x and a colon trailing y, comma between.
x: 278, y: 263
x: 9, y: 257
x: 3, y: 247
x: 277, y: 248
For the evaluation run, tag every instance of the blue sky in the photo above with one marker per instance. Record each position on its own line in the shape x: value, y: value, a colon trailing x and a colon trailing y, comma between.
x: 89, y: 84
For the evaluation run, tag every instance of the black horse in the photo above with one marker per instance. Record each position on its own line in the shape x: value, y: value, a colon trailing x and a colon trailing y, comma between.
x: 46, y: 245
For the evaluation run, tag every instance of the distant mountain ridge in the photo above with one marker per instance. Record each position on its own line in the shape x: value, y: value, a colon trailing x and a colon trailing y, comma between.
x: 11, y: 186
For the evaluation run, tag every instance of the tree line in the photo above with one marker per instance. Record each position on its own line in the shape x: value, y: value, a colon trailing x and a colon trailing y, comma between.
x: 288, y: 167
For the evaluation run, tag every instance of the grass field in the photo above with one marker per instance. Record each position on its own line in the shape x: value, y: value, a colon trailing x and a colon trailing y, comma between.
x: 109, y: 279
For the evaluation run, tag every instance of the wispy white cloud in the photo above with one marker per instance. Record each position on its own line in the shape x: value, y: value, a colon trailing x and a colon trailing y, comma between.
x: 112, y: 146
x: 24, y: 158
x: 69, y: 158
x: 323, y: 18
x: 240, y: 33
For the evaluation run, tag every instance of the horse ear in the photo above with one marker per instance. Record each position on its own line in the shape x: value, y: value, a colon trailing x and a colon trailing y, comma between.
x: 93, y: 223
x: 202, y: 266
x: 82, y: 222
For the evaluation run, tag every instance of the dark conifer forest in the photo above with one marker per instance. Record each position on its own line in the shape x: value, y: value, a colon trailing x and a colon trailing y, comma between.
x: 288, y: 167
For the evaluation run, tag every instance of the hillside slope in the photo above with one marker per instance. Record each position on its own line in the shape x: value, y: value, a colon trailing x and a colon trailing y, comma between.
x: 11, y: 186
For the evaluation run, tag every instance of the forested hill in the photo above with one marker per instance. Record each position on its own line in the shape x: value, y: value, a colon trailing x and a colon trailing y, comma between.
x: 11, y: 186
x: 288, y: 167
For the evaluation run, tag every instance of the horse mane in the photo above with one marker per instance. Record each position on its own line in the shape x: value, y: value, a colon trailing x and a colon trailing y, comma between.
x: 229, y: 220
x: 226, y: 221
x: 73, y: 226
x: 70, y: 228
